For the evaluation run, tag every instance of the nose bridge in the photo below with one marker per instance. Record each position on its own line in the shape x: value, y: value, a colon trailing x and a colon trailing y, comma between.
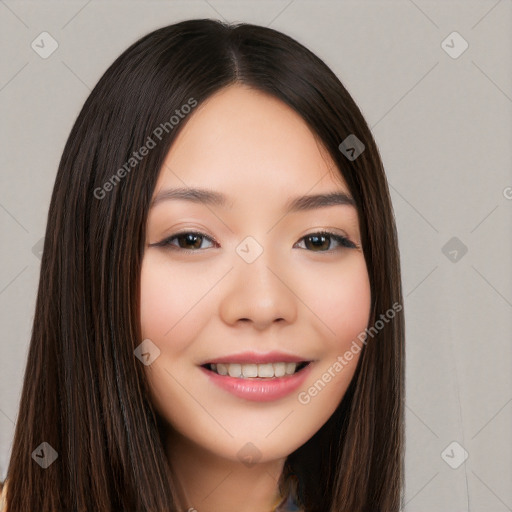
x: 257, y: 290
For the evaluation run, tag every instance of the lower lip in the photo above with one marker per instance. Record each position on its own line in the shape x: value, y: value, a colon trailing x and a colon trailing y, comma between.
x: 259, y: 389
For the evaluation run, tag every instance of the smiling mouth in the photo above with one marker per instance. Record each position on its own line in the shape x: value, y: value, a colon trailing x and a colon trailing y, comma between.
x: 253, y: 370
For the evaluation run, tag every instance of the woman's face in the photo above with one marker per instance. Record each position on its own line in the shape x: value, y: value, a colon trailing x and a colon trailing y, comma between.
x: 256, y: 286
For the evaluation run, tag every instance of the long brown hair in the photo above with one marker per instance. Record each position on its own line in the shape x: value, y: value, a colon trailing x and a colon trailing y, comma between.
x: 84, y: 392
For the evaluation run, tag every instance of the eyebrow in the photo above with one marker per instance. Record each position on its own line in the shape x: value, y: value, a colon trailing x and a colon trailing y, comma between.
x: 296, y: 204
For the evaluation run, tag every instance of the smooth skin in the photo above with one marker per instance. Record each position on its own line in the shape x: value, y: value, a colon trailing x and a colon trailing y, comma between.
x: 201, y: 300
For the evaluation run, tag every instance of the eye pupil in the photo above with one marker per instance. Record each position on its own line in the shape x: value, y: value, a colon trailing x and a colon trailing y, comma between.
x: 319, y: 241
x: 191, y: 239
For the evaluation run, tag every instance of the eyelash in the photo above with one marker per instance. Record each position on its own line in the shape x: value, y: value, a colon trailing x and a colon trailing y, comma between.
x: 343, y: 241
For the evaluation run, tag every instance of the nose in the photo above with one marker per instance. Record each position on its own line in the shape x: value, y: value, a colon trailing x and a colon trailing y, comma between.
x: 260, y: 294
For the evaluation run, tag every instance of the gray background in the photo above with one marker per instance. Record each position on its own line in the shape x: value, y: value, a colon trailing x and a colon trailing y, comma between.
x: 443, y: 126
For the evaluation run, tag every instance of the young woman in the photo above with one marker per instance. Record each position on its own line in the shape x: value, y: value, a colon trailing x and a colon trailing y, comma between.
x: 219, y: 320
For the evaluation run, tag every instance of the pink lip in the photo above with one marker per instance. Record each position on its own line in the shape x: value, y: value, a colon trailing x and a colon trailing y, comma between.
x: 254, y: 357
x: 259, y: 389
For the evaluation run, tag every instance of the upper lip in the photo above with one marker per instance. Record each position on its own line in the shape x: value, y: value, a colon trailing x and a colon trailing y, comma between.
x: 257, y: 358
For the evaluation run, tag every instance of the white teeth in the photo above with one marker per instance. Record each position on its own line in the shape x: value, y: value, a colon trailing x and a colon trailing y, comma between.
x: 290, y: 368
x: 234, y: 370
x: 279, y: 369
x: 250, y: 370
x: 267, y: 370
x: 221, y: 369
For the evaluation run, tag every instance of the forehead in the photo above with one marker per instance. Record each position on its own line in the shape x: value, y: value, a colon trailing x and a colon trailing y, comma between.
x: 249, y: 144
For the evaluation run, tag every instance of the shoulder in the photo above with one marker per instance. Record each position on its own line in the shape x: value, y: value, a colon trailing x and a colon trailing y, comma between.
x: 2, y: 497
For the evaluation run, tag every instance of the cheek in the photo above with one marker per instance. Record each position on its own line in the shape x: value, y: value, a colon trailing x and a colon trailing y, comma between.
x: 170, y: 307
x: 343, y: 306
x: 340, y: 298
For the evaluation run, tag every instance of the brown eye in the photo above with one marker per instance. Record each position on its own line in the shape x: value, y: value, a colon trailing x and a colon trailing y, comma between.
x: 189, y: 240
x: 186, y: 241
x: 321, y: 242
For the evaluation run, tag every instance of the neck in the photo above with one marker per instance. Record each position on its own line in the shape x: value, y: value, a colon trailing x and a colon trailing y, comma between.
x: 210, y: 483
